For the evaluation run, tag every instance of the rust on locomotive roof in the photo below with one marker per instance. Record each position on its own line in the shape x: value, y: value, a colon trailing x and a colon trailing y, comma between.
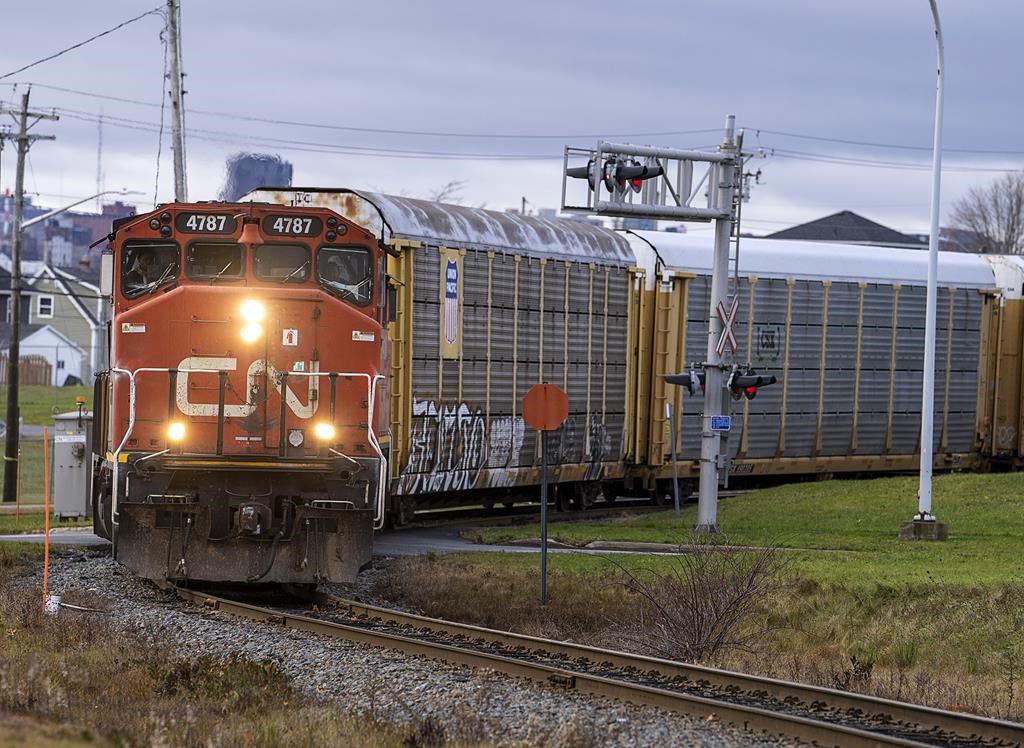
x: 392, y: 217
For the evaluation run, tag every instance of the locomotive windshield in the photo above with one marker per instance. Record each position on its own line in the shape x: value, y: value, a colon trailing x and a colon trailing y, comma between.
x: 282, y: 263
x: 209, y: 261
x: 147, y: 266
x: 346, y: 272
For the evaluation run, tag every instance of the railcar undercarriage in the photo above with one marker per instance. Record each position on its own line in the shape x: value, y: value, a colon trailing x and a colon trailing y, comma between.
x: 300, y: 521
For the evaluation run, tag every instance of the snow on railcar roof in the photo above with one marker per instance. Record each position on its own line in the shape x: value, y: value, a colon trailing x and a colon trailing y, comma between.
x: 778, y: 258
x: 393, y: 217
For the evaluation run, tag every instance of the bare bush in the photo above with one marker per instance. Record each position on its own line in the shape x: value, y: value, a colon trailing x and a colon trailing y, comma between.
x: 704, y: 604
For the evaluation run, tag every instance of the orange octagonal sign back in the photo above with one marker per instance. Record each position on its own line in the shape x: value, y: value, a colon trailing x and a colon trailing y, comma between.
x: 545, y: 407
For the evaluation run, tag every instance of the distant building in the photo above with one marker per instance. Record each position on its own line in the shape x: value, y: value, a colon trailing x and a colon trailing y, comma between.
x: 245, y: 172
x: 847, y: 227
x: 68, y: 360
x: 63, y: 240
x: 639, y: 224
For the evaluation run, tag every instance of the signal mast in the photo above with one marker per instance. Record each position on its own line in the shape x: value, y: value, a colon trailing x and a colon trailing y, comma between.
x: 649, y: 182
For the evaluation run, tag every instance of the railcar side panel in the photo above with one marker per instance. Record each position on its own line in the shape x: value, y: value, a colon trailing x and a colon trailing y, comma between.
x: 487, y: 326
x: 848, y: 356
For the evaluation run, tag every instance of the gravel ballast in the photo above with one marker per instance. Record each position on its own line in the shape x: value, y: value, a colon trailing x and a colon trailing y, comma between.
x: 394, y: 688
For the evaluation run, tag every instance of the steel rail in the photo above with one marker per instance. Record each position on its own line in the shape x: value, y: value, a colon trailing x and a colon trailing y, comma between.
x: 748, y: 717
x: 897, y: 711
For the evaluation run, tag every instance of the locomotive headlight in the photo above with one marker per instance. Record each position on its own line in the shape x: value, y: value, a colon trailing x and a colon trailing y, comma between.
x: 324, y: 431
x: 176, y: 431
x: 253, y: 311
x: 251, y: 332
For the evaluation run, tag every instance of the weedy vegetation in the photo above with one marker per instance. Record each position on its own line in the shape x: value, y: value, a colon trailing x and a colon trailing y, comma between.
x: 74, y: 679
x: 833, y: 598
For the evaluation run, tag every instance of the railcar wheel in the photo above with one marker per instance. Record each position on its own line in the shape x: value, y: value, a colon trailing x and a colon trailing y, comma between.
x: 561, y: 497
x: 584, y: 494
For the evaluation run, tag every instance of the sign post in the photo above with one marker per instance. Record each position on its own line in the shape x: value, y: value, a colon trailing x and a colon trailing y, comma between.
x: 545, y: 407
x: 675, y: 463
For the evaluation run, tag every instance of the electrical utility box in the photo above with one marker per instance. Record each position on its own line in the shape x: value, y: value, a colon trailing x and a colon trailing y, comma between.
x: 72, y: 465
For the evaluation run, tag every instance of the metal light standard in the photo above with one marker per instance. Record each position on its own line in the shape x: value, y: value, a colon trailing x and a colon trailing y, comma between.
x: 924, y: 524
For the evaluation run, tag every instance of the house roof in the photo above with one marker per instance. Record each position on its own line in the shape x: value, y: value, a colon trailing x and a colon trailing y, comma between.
x: 39, y: 330
x: 849, y: 228
x: 26, y: 330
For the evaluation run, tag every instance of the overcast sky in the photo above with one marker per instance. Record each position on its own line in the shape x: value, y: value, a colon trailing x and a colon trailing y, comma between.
x: 799, y: 75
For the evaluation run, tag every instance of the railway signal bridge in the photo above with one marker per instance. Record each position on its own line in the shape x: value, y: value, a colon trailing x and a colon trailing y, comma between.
x: 624, y: 180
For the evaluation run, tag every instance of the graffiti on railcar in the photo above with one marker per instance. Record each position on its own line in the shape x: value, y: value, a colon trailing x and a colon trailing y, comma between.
x: 451, y: 449
x: 597, y: 448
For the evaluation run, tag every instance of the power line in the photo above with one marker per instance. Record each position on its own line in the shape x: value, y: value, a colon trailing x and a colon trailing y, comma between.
x: 379, y: 130
x: 512, y: 136
x: 81, y: 44
x: 928, y: 148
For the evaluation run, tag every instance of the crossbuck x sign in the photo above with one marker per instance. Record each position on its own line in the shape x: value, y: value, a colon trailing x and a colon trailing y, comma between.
x: 728, y: 318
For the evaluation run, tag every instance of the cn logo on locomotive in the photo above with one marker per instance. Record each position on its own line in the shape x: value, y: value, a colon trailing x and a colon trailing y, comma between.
x: 257, y: 369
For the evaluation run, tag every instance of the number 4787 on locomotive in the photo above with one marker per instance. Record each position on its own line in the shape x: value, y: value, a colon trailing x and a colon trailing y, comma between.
x: 238, y: 422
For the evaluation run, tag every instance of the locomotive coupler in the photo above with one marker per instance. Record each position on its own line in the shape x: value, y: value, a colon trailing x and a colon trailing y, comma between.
x: 253, y: 517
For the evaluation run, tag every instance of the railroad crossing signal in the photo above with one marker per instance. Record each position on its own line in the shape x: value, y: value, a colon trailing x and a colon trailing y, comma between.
x: 728, y: 318
x: 618, y: 174
x: 740, y: 383
x: 746, y: 384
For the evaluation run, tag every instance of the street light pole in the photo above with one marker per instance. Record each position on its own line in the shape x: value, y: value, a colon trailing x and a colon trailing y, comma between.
x: 928, y: 389
x: 924, y: 524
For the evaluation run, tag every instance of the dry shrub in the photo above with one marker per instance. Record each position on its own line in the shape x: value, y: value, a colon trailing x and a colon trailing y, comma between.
x: 580, y: 608
x: 705, y: 603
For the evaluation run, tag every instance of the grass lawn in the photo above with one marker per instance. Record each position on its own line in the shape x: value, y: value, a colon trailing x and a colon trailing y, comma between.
x: 38, y: 402
x: 31, y: 469
x: 845, y: 530
x: 34, y: 521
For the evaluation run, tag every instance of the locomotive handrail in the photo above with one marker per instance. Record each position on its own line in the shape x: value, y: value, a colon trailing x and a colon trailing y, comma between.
x: 372, y: 382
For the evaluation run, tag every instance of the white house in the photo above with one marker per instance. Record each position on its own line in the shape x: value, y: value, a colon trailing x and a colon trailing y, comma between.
x: 67, y: 358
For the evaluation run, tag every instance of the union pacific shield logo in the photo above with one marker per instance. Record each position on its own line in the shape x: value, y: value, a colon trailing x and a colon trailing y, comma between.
x: 451, y: 302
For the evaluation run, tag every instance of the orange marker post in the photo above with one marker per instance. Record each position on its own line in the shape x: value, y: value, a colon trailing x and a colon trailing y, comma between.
x: 17, y: 493
x: 46, y: 511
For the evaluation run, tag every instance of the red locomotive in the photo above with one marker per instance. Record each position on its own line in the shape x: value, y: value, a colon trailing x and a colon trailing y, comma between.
x: 236, y: 428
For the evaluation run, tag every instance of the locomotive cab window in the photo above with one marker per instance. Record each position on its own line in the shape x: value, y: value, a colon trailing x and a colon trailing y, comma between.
x: 147, y: 266
x: 282, y: 263
x: 346, y: 272
x: 214, y: 261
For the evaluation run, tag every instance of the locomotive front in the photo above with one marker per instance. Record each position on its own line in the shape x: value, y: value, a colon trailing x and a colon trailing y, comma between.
x: 240, y: 417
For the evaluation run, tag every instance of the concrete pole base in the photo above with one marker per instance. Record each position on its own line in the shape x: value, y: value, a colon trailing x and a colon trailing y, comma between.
x: 923, y: 529
x: 707, y: 530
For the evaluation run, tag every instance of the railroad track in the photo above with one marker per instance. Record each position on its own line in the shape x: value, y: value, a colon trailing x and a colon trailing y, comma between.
x: 820, y: 715
x: 530, y: 512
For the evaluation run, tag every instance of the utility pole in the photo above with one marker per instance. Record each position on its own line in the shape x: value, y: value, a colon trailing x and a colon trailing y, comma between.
x: 177, y: 101
x: 24, y: 142
x: 722, y: 189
